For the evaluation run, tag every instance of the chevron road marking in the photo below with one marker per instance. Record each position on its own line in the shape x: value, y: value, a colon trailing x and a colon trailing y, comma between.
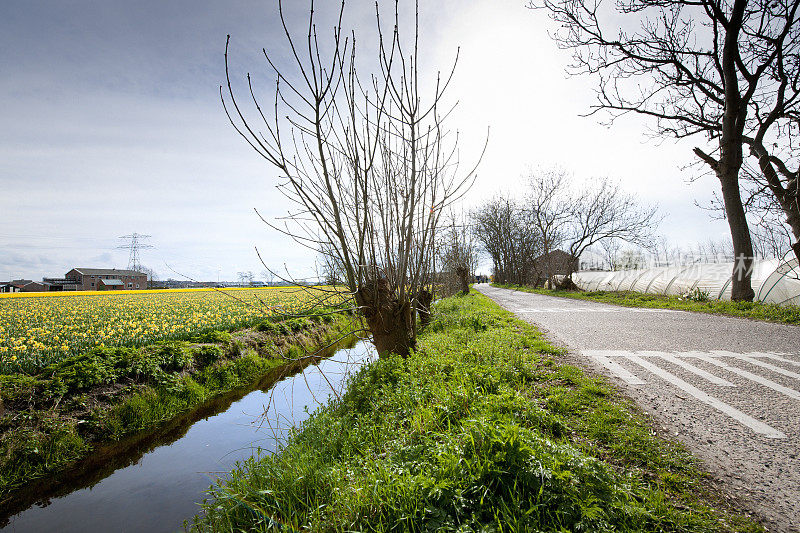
x: 647, y: 361
x: 691, y: 368
x: 754, y: 361
x: 774, y: 357
x: 618, y: 370
x: 744, y: 419
x: 786, y: 391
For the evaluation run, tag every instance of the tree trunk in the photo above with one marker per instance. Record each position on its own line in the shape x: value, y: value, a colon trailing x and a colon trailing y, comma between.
x: 424, y: 300
x: 389, y: 320
x: 463, y: 279
x: 741, y: 286
x: 731, y: 157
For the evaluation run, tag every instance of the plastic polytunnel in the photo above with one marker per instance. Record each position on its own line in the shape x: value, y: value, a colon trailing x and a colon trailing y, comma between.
x: 774, y: 280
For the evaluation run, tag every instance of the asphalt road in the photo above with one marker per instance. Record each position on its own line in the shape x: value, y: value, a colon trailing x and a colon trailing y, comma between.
x: 728, y: 388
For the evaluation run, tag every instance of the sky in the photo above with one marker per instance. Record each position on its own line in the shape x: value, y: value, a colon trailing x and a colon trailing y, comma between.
x: 111, y: 124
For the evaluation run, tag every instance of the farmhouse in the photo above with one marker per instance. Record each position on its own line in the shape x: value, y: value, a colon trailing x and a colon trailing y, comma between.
x: 14, y: 285
x: 23, y: 285
x: 557, y: 262
x: 98, y: 279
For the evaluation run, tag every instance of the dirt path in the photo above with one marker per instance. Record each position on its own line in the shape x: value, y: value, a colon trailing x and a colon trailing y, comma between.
x: 728, y: 388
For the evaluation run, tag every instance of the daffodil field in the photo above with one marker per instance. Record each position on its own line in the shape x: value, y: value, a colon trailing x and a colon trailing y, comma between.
x: 38, y: 330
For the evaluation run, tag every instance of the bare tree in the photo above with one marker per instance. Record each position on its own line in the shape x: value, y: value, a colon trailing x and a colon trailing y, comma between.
x: 268, y: 275
x: 549, y: 206
x: 366, y: 162
x: 724, y: 69
x: 611, y: 251
x: 771, y: 238
x: 508, y: 235
x: 151, y: 274
x: 770, y: 230
x: 457, y: 255
x: 603, y: 212
x: 630, y: 259
x: 245, y: 278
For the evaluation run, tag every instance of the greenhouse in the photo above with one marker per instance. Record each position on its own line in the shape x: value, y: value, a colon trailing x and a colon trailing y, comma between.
x: 774, y: 280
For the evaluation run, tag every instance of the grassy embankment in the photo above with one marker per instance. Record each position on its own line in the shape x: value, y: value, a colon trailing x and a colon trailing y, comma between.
x: 480, y: 429
x: 785, y: 314
x: 57, y: 414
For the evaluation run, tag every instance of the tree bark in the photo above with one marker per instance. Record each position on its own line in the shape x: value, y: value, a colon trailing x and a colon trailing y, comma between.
x: 741, y: 284
x: 424, y: 300
x: 389, y: 320
x: 730, y: 160
x: 463, y: 279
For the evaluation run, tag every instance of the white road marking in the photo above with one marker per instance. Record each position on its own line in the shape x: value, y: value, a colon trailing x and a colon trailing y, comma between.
x: 691, y: 368
x: 786, y: 391
x: 774, y: 357
x: 744, y: 419
x: 527, y: 310
x: 620, y: 371
x: 754, y: 361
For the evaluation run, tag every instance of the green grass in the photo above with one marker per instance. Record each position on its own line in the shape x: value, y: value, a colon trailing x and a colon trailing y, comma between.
x: 480, y: 429
x: 57, y: 415
x: 786, y: 314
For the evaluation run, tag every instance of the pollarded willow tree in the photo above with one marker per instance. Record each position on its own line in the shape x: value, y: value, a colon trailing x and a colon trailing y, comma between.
x: 728, y: 70
x: 366, y: 162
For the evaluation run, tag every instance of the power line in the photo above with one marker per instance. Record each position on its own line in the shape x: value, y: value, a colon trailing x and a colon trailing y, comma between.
x: 134, y: 263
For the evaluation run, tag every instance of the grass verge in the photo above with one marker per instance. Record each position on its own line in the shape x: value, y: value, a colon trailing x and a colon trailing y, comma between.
x: 58, y: 415
x: 480, y: 429
x: 784, y: 314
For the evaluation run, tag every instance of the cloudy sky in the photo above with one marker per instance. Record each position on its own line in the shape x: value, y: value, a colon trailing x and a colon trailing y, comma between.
x: 111, y: 124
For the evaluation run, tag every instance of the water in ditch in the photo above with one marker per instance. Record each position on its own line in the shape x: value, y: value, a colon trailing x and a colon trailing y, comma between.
x: 153, y: 482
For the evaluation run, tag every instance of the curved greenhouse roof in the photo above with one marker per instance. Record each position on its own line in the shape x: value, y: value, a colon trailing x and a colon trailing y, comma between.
x: 774, y: 280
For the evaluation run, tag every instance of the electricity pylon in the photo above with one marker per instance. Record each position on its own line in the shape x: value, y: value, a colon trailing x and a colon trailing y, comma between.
x: 134, y: 246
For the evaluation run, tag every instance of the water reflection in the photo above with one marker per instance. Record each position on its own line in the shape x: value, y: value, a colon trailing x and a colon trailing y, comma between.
x: 152, y: 482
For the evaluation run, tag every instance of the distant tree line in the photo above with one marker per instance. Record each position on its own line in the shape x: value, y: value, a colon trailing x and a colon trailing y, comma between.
x: 532, y: 238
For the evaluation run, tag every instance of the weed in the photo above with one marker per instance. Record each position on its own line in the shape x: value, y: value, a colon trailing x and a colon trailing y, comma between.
x: 694, y: 295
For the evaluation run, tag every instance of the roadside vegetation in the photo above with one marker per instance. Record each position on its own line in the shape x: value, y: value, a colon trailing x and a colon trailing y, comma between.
x: 479, y: 428
x: 58, y: 413
x: 785, y: 314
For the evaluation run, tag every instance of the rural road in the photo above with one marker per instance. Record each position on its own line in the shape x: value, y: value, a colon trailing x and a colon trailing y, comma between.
x: 728, y: 388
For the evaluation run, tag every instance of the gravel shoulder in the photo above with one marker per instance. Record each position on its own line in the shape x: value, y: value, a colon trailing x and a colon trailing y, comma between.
x: 728, y: 388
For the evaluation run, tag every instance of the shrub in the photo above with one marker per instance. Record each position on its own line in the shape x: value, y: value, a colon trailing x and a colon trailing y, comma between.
x: 214, y: 336
x: 207, y: 354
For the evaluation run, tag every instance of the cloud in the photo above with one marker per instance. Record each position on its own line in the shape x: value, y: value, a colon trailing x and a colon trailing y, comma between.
x: 113, y: 125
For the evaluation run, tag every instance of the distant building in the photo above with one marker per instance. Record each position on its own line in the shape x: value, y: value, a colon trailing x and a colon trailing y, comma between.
x: 21, y: 285
x: 98, y: 279
x: 35, y: 286
x: 555, y: 263
x: 11, y: 286
x: 81, y: 279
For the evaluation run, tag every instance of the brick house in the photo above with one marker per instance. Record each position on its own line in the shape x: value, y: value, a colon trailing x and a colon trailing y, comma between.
x: 14, y: 285
x: 6, y: 286
x: 35, y: 286
x: 98, y: 279
x: 24, y: 285
x: 555, y: 263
